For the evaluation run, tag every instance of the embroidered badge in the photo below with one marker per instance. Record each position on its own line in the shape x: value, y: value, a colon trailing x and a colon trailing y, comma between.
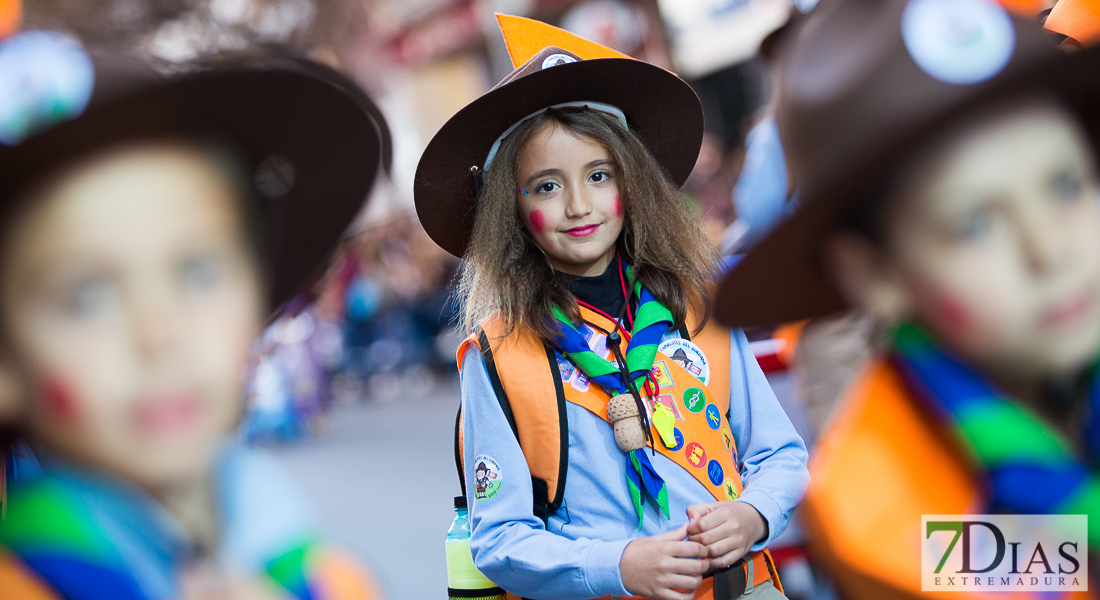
x: 565, y: 368
x: 958, y: 41
x: 661, y: 375
x: 714, y: 471
x: 689, y: 356
x: 679, y: 440
x: 729, y: 489
x: 714, y: 418
x: 694, y: 400
x: 557, y: 59
x: 727, y: 438
x: 487, y: 478
x: 668, y: 401
x: 697, y: 457
x: 580, y: 381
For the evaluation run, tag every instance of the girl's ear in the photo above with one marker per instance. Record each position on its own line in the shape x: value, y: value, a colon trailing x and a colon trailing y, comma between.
x: 866, y: 277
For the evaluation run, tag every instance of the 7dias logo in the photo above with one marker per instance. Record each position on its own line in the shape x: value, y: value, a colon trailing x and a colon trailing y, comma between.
x: 1004, y: 553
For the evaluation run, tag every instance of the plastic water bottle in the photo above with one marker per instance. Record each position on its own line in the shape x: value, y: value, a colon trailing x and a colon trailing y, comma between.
x: 463, y: 578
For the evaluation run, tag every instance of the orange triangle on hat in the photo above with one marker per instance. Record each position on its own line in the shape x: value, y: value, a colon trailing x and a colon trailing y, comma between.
x: 1079, y: 19
x: 11, y: 13
x: 527, y: 37
x: 1026, y: 8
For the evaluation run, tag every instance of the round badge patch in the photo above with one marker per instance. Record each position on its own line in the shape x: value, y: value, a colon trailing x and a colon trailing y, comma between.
x: 958, y: 41
x: 487, y: 478
x: 679, y: 440
x: 714, y: 471
x: 727, y: 438
x: 689, y: 356
x: 47, y: 78
x: 694, y: 400
x: 729, y: 489
x: 557, y: 59
x: 697, y: 457
x: 714, y: 418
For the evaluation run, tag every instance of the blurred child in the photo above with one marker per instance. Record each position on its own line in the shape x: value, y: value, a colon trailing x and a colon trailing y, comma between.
x: 148, y: 229
x: 947, y: 157
x: 646, y: 476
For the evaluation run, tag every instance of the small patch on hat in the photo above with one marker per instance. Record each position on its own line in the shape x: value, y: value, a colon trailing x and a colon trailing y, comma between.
x: 274, y: 177
x: 557, y: 59
x: 961, y: 42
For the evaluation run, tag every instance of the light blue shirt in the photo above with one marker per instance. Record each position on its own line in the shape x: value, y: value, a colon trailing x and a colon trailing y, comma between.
x: 577, y: 555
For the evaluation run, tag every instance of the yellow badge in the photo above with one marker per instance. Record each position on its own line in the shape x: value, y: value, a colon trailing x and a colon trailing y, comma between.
x: 729, y: 489
x: 727, y: 437
x: 661, y: 374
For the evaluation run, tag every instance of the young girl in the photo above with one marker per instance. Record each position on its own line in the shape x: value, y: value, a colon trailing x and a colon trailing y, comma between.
x: 616, y: 470
x: 951, y: 191
x: 145, y: 238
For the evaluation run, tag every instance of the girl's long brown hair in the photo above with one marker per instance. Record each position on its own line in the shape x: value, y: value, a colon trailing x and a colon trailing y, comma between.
x: 507, y: 276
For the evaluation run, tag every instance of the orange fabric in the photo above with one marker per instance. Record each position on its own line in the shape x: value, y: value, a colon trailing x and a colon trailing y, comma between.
x: 340, y: 577
x: 880, y: 466
x: 789, y: 334
x: 18, y: 583
x: 1079, y: 19
x: 536, y: 414
x: 527, y: 37
x: 11, y: 13
x: 1026, y: 8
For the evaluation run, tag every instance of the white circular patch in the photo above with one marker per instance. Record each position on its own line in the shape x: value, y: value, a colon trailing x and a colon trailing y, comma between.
x: 689, y: 356
x: 557, y: 59
x: 958, y: 41
x: 487, y: 477
x: 46, y: 77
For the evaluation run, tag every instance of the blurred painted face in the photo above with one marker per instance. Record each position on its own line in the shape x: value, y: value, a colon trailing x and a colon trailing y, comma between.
x: 571, y: 207
x: 131, y: 300
x: 996, y: 243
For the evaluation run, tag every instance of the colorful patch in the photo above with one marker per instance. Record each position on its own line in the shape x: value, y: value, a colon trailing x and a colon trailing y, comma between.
x: 668, y: 401
x: 689, y: 356
x: 580, y: 381
x: 694, y: 400
x: 696, y: 455
x: 661, y: 375
x: 565, y: 368
x: 961, y: 42
x: 714, y: 418
x: 727, y: 438
x: 729, y: 489
x: 487, y: 478
x: 714, y: 471
x: 679, y: 440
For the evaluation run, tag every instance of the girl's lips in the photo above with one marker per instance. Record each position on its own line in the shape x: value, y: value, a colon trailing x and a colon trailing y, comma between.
x: 165, y: 415
x: 582, y: 231
x: 1068, y: 312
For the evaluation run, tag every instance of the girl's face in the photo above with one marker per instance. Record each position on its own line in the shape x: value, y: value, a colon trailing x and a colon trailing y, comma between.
x: 571, y: 206
x: 995, y: 243
x: 131, y: 298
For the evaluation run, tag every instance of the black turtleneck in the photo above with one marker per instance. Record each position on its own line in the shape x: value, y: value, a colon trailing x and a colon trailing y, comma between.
x: 605, y: 291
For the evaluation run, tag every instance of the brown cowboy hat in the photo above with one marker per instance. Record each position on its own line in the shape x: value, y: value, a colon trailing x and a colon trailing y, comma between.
x: 659, y: 107
x: 306, y: 135
x: 863, y: 82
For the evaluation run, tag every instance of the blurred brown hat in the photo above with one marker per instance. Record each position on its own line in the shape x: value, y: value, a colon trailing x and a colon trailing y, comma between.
x: 554, y: 68
x: 863, y: 82
x: 306, y: 135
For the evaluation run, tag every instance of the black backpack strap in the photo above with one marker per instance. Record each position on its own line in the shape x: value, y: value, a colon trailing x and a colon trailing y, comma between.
x: 563, y: 433
x: 458, y: 451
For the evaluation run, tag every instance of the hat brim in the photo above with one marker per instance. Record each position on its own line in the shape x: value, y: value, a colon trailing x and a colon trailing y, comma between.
x: 782, y: 278
x: 311, y: 116
x: 660, y: 108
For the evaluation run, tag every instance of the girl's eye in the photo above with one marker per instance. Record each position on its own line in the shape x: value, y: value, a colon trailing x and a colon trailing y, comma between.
x: 600, y: 177
x: 201, y: 273
x: 90, y: 297
x: 1067, y: 186
x: 975, y: 226
x: 546, y: 187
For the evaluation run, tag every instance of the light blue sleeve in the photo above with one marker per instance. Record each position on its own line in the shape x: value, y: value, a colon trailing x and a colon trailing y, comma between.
x: 773, y: 456
x: 510, y: 545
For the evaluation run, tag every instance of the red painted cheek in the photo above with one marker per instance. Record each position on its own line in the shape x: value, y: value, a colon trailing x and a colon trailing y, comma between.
x: 538, y: 222
x: 59, y: 401
x: 953, y: 314
x: 618, y: 206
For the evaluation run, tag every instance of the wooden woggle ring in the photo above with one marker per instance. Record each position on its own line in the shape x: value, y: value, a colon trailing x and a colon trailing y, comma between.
x: 623, y: 413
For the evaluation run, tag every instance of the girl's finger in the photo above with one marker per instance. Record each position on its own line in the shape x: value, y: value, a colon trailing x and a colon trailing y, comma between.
x: 673, y: 535
x: 727, y: 559
x: 686, y: 583
x: 690, y: 566
x: 686, y: 550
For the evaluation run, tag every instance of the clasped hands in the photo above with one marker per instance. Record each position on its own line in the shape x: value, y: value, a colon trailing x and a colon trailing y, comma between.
x: 668, y: 567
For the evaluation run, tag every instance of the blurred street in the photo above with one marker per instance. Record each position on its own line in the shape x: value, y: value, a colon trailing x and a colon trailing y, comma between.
x: 382, y: 478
